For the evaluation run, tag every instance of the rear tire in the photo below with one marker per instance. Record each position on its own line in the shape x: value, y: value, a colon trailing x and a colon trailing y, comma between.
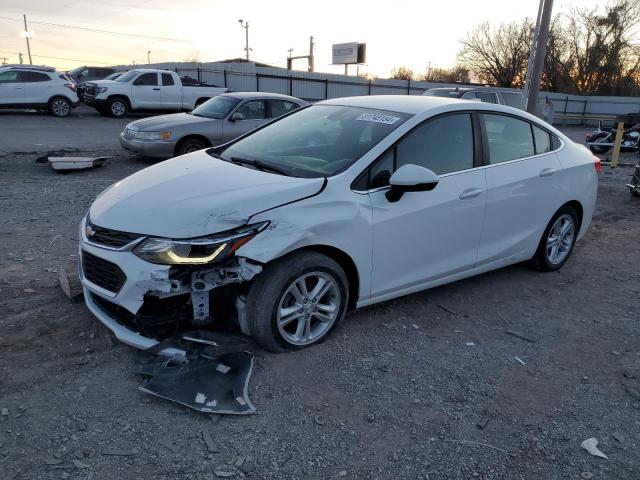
x: 188, y: 145
x: 59, y: 107
x: 557, y: 242
x: 280, y: 320
x: 117, y: 107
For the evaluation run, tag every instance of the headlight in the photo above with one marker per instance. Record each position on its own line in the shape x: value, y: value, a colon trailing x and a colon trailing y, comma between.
x: 101, y: 89
x: 197, y: 251
x: 153, y: 135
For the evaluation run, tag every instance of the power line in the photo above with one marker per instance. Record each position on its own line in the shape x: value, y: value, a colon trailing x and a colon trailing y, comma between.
x: 95, y: 30
x: 61, y: 58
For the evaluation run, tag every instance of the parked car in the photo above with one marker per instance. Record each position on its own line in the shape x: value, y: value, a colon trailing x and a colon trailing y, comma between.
x: 39, y: 87
x: 83, y: 85
x: 338, y: 205
x: 223, y: 118
x: 146, y: 89
x: 483, y: 94
x: 87, y: 74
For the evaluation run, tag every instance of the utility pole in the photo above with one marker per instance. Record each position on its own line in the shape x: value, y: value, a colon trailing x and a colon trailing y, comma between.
x: 4, y: 60
x: 246, y: 37
x: 429, y: 70
x: 148, y: 57
x: 311, y: 57
x: 20, y: 57
x: 532, y: 49
x: 539, y: 55
x: 26, y: 37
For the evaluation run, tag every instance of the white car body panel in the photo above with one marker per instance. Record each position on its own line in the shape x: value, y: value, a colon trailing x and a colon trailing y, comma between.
x: 423, y: 240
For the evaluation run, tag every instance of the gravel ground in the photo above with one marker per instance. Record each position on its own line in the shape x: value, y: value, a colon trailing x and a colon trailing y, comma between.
x: 426, y: 386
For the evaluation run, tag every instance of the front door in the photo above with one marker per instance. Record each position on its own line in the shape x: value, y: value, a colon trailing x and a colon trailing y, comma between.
x: 249, y: 115
x: 12, y: 88
x: 146, y: 91
x: 426, y: 236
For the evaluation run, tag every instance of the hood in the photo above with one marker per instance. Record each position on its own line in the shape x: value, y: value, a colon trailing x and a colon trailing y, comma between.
x: 102, y: 83
x: 194, y: 195
x: 168, y: 121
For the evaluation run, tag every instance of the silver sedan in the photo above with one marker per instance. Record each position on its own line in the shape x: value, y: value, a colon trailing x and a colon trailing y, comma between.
x: 215, y: 122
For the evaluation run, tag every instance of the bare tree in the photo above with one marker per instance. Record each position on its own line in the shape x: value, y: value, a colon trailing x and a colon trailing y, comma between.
x: 402, y: 73
x: 498, y: 55
x: 457, y: 74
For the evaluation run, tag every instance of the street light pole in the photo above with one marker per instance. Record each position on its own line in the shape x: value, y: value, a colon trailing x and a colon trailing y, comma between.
x: 246, y: 37
x: 26, y: 37
x: 148, y: 57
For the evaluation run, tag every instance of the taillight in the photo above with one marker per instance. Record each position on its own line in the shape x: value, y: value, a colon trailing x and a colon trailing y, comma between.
x: 71, y: 86
x: 596, y: 164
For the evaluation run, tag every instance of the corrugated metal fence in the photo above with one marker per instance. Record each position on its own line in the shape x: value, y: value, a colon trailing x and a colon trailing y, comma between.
x: 315, y: 86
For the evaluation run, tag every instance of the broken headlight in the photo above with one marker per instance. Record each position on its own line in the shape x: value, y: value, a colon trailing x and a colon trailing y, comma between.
x: 197, y: 251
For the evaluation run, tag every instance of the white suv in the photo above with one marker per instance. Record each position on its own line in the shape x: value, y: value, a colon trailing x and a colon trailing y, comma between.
x: 28, y: 86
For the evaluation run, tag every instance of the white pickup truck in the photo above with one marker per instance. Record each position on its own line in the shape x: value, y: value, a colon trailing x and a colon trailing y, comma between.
x: 146, y: 89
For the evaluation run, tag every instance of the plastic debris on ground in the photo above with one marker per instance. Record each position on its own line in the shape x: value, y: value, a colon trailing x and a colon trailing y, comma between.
x: 590, y: 445
x: 75, y: 163
x: 212, y: 376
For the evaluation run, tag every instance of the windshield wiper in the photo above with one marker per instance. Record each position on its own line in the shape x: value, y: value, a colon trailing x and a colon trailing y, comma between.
x: 259, y: 165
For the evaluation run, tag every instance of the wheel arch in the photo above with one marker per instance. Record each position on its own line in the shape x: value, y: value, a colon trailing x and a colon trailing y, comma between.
x: 577, y: 206
x: 59, y: 95
x: 187, y: 137
x: 345, y: 261
x: 120, y: 95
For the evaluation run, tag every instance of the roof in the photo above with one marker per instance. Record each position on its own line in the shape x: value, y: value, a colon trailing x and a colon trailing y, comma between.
x: 411, y: 104
x: 24, y: 66
x: 243, y: 95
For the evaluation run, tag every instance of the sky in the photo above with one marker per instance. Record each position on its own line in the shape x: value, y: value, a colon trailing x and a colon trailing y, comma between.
x: 410, y: 33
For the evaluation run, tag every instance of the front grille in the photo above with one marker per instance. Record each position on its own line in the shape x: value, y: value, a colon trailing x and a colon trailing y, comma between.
x: 108, y: 237
x: 102, y: 273
x: 89, y: 91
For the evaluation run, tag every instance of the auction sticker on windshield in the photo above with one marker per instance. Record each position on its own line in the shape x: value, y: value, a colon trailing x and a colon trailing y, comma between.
x: 378, y: 118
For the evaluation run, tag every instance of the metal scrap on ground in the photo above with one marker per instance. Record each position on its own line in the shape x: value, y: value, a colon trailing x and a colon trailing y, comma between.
x: 212, y: 377
x: 75, y: 163
x: 590, y: 445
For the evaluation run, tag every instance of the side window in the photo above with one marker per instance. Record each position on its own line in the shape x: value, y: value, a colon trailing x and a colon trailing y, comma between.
x: 9, y: 77
x: 147, y: 79
x: 509, y: 138
x: 488, y: 97
x: 34, y: 77
x: 469, y: 96
x: 167, y: 79
x: 280, y: 107
x: 252, y: 110
x: 555, y: 143
x: 443, y: 145
x: 543, y: 140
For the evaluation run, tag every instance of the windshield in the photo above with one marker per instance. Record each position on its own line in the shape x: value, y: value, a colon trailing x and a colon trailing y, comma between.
x: 125, y: 77
x: 437, y: 92
x: 317, y: 141
x: 216, y: 107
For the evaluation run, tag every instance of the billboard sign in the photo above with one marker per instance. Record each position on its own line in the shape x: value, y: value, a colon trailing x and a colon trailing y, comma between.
x: 344, y: 53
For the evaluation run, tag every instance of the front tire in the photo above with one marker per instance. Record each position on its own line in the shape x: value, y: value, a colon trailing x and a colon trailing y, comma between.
x: 296, y: 301
x: 59, y: 107
x: 117, y: 107
x: 558, y: 241
x: 189, y: 145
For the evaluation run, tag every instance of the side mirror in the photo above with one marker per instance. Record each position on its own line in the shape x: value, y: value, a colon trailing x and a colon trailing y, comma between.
x: 236, y: 116
x: 411, y: 178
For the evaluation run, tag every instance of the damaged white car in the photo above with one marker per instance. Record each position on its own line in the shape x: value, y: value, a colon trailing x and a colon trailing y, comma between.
x: 339, y: 205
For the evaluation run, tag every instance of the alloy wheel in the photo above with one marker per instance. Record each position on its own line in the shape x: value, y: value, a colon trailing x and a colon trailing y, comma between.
x: 560, y: 239
x: 308, y: 308
x: 60, y: 108
x: 118, y: 108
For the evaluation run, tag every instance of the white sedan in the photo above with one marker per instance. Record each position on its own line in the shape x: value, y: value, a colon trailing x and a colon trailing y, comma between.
x: 342, y: 204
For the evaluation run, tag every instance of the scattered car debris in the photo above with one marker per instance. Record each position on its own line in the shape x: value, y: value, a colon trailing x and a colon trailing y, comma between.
x: 618, y: 436
x: 469, y: 442
x: 211, y: 446
x: 54, y: 153
x: 469, y: 344
x: 75, y: 163
x: 590, y: 445
x: 319, y: 420
x: 520, y: 336
x: 70, y: 284
x: 519, y: 360
x: 482, y: 423
x: 586, y: 475
x: 211, y: 377
x: 446, y: 309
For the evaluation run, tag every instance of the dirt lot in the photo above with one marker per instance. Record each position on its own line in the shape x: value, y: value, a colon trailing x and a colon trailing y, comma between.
x: 422, y: 387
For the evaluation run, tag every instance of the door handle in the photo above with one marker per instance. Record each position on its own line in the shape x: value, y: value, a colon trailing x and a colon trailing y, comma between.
x: 470, y: 193
x: 157, y: 88
x: 547, y: 172
x: 18, y: 88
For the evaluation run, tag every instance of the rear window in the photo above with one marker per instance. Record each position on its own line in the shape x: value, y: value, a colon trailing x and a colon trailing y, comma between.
x: 509, y: 138
x: 34, y: 77
x: 167, y: 79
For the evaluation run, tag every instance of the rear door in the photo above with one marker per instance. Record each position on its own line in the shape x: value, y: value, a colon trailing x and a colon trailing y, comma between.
x: 146, y: 91
x: 11, y: 88
x: 426, y: 236
x: 523, y: 191
x: 171, y: 93
x: 253, y: 113
x: 38, y: 87
x: 277, y: 108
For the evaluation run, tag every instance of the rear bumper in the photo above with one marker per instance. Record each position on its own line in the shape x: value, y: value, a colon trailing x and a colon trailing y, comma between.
x: 151, y: 149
